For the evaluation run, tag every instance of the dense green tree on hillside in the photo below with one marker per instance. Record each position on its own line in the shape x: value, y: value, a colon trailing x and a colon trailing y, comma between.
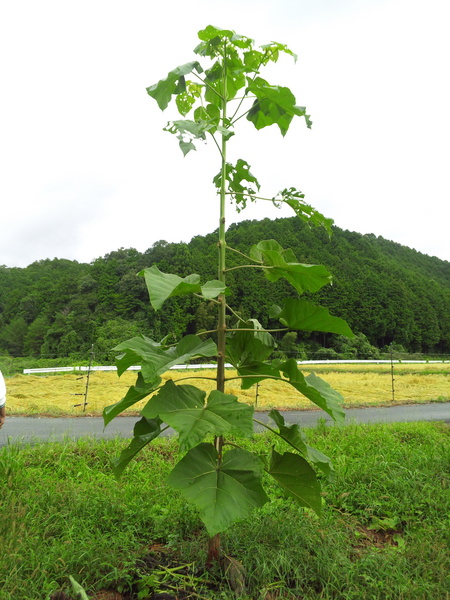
x: 35, y: 337
x: 13, y: 335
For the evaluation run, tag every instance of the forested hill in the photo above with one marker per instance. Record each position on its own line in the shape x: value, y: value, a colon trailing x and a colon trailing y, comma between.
x: 390, y: 293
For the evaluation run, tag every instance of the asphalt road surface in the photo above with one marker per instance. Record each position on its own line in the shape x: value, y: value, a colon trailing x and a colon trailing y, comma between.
x: 36, y: 429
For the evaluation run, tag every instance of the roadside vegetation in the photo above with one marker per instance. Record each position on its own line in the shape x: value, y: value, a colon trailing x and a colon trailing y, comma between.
x: 384, y: 531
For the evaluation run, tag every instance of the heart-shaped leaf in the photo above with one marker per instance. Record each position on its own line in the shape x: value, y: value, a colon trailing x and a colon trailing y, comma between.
x: 183, y: 408
x: 314, y: 388
x: 306, y: 316
x: 155, y: 359
x: 162, y: 286
x: 297, y: 478
x: 223, y: 493
x: 282, y: 263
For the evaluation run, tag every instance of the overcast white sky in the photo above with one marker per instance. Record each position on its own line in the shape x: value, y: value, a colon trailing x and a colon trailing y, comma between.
x: 86, y: 168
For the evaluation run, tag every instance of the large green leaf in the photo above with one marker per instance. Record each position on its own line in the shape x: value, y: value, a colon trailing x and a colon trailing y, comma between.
x: 162, y: 286
x: 174, y: 83
x: 166, y: 285
x: 156, y: 359
x: 273, y: 105
x: 135, y: 393
x: 144, y: 432
x: 183, y: 408
x: 212, y: 289
x: 225, y: 493
x: 249, y: 346
x: 214, y: 40
x: 297, y: 478
x: 314, y: 388
x: 282, y: 263
x: 256, y: 371
x: 296, y: 438
x: 305, y: 316
x: 210, y: 32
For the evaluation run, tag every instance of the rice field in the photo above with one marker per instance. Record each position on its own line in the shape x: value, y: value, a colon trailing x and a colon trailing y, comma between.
x: 360, y: 384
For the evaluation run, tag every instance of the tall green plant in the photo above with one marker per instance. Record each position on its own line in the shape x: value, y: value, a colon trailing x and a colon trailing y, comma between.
x: 223, y: 480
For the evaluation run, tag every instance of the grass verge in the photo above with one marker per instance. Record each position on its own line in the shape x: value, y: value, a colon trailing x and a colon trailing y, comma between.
x: 383, y: 534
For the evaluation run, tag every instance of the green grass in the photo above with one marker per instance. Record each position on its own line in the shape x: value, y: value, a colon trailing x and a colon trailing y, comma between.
x: 384, y: 531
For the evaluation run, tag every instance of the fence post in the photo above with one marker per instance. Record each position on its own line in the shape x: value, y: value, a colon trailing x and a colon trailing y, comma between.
x: 86, y: 390
x: 392, y: 374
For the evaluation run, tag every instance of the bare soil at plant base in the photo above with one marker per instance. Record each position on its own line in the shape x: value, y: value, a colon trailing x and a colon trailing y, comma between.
x: 360, y: 385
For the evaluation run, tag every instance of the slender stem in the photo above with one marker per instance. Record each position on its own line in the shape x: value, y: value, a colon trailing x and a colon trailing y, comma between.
x: 241, y: 253
x: 217, y: 144
x: 246, y: 94
x: 221, y: 327
x: 240, y: 116
x: 241, y: 100
x: 256, y: 375
x: 236, y: 314
x: 260, y: 330
x: 209, y: 299
x: 193, y: 377
x: 255, y: 197
x: 207, y: 85
x: 250, y: 267
x: 231, y: 443
x: 266, y: 426
x: 214, y: 542
x: 205, y: 332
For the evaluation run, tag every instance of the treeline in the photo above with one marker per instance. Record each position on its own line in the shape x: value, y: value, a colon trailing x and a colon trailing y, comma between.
x: 388, y: 293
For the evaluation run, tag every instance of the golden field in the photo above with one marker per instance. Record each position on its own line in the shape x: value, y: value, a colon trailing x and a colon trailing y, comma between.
x: 361, y: 385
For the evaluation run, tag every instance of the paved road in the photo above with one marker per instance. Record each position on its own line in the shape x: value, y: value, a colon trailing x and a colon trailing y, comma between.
x: 35, y: 429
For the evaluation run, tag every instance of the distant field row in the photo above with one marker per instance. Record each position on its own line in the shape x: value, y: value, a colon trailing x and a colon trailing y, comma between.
x: 361, y: 385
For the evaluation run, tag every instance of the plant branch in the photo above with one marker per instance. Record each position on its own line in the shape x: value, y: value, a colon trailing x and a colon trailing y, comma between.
x: 240, y: 116
x: 192, y: 377
x: 252, y: 196
x: 206, y: 84
x: 203, y: 298
x: 236, y: 314
x: 245, y: 95
x: 266, y: 426
x: 204, y: 332
x: 217, y: 145
x: 241, y: 253
x: 259, y: 330
x: 231, y: 444
x: 256, y: 375
x: 249, y: 267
